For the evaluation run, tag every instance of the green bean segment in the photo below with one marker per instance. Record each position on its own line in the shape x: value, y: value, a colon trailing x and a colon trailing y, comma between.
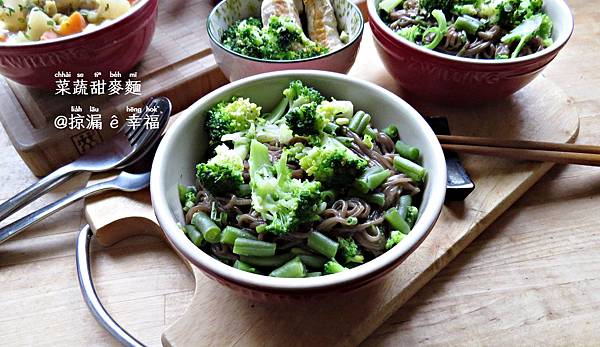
x: 207, y: 227
x: 256, y: 248
x: 407, y: 151
x: 292, y: 269
x: 322, y: 244
x: 230, y: 234
x: 410, y: 169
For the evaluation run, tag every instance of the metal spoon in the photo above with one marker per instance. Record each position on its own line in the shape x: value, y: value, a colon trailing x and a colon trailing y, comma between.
x: 124, y: 148
x: 125, y: 181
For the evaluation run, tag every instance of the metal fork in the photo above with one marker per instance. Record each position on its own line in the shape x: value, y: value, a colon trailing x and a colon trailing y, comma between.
x: 125, y: 181
x: 123, y: 149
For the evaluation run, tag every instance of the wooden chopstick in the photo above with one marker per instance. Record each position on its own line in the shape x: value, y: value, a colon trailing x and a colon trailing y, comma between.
x: 560, y: 153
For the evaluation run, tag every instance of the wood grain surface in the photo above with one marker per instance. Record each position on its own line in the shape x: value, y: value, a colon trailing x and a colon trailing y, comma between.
x: 498, y: 184
x: 531, y: 278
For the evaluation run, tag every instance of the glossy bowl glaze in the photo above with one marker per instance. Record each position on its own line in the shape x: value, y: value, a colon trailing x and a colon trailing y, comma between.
x: 236, y: 66
x: 185, y: 144
x: 118, y: 46
x: 440, y: 77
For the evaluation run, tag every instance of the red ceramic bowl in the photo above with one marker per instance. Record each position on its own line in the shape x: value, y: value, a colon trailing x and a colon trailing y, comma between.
x: 117, y: 46
x: 445, y: 78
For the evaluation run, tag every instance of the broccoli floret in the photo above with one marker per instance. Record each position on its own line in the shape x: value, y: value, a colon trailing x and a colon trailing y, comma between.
x: 285, y: 203
x: 539, y: 25
x: 187, y: 196
x: 305, y: 120
x: 411, y: 33
x: 281, y: 39
x: 348, y: 249
x: 245, y: 37
x: 333, y: 164
x: 394, y: 239
x: 228, y: 117
x: 298, y: 94
x: 336, y: 109
x: 389, y: 5
x: 222, y: 174
x: 511, y: 13
x: 469, y: 9
x: 332, y: 267
x: 430, y: 5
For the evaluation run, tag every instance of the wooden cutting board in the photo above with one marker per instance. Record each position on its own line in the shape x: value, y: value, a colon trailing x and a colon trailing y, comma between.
x: 218, y: 316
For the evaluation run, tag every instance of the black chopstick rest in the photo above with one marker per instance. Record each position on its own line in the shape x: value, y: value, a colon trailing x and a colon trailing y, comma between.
x: 459, y: 184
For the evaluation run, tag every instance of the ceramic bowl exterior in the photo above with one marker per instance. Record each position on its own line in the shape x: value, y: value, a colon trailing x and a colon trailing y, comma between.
x: 118, y: 46
x: 444, y: 78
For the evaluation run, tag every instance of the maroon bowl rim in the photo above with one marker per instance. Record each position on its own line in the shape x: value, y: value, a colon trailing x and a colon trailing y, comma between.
x: 137, y: 7
x: 376, y: 22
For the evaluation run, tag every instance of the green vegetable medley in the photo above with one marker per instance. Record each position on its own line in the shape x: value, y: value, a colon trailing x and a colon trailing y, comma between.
x: 309, y: 189
x: 484, y: 29
x: 282, y: 39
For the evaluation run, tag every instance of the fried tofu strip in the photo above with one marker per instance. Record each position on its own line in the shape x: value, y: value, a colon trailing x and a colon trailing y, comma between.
x: 280, y: 8
x: 322, y: 24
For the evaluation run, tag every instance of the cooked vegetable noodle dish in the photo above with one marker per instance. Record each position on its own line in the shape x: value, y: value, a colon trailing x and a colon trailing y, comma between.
x: 482, y: 29
x: 40, y: 20
x: 309, y: 189
x: 280, y: 34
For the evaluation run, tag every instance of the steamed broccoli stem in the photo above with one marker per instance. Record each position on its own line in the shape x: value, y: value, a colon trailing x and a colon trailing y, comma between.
x: 210, y: 231
x: 371, y: 179
x: 407, y: 151
x: 468, y: 24
x: 240, y: 265
x: 392, y: 132
x: 314, y: 274
x: 411, y: 216
x: 332, y: 267
x: 439, y: 31
x: 524, y: 33
x: 331, y: 128
x: 359, y: 122
x: 194, y: 235
x: 274, y: 261
x: 393, y: 217
x: 253, y: 248
x: 395, y: 238
x: 278, y: 111
x: 410, y: 169
x: 230, y: 234
x: 313, y: 261
x: 292, y: 269
x: 389, y: 5
x: 322, y: 244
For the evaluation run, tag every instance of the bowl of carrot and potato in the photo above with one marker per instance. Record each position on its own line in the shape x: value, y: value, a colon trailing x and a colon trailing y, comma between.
x: 40, y: 39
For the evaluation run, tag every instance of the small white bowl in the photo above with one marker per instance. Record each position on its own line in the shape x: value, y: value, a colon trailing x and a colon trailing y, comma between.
x: 236, y: 66
x: 185, y: 144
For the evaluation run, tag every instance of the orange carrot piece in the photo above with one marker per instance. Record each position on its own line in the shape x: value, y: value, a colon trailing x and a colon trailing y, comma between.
x: 3, y: 37
x: 48, y: 35
x: 73, y: 25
